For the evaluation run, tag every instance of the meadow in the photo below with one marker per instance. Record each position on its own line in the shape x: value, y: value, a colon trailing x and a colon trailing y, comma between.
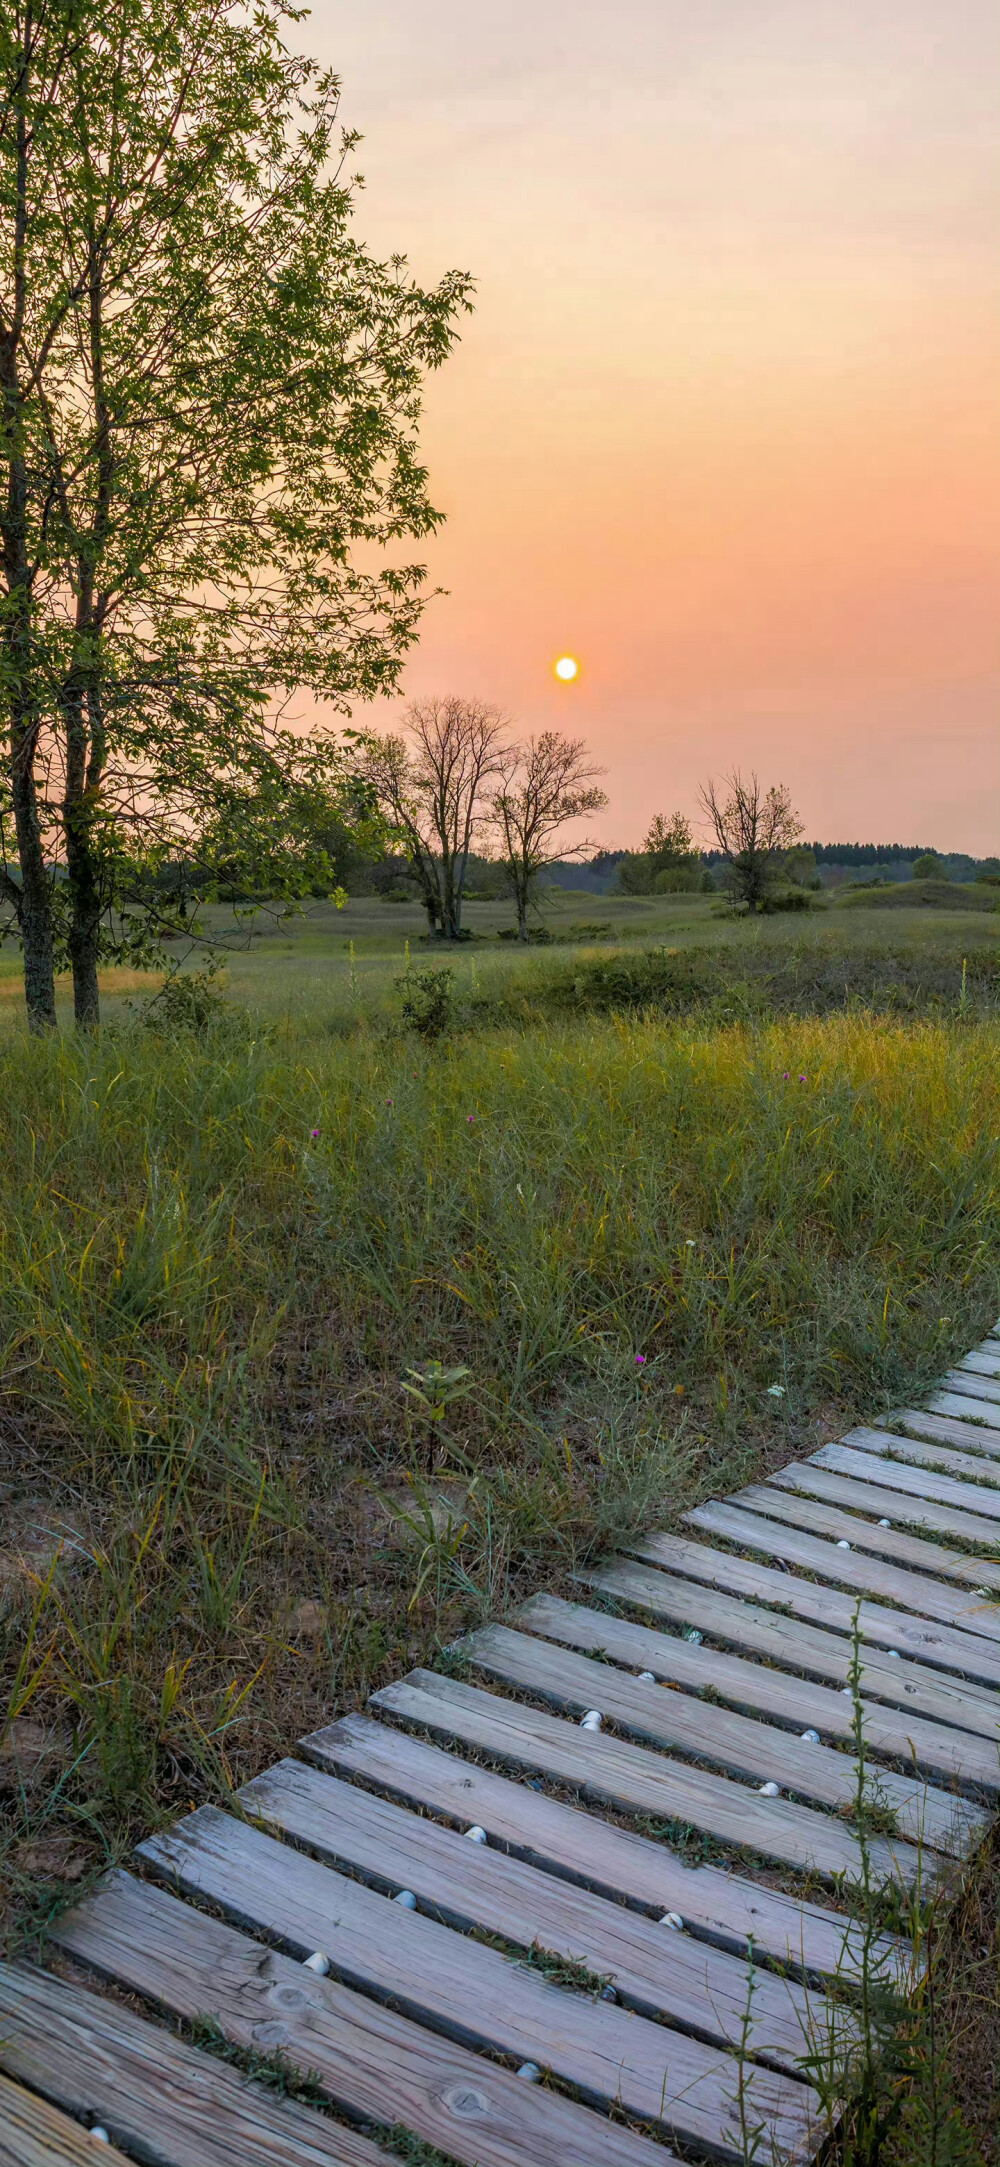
x: 660, y: 1224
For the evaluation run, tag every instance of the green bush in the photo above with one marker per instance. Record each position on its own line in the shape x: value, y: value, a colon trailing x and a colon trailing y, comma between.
x: 428, y: 1001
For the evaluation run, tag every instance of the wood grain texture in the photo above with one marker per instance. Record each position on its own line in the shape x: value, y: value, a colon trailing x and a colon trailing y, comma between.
x: 473, y: 1994
x: 472, y: 1885
x: 965, y: 1704
x: 914, y: 1624
x: 912, y: 1482
x: 942, y: 1429
x: 758, y: 1688
x: 172, y: 2105
x: 979, y: 1467
x: 722, y: 1907
x: 980, y: 1364
x: 741, y: 1745
x: 965, y: 1408
x: 907, y: 1507
x: 811, y: 1490
x: 635, y: 1780
x: 370, y: 2060
x: 33, y: 2134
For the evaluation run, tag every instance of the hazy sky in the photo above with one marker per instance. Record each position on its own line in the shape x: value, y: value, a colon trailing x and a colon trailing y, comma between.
x: 725, y: 424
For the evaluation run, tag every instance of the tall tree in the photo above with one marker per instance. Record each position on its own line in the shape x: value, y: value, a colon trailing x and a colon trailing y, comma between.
x: 209, y: 394
x: 667, y: 859
x: 432, y: 786
x: 753, y: 828
x: 546, y: 782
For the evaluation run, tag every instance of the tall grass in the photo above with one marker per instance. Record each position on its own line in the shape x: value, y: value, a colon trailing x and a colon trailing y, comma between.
x: 668, y: 1256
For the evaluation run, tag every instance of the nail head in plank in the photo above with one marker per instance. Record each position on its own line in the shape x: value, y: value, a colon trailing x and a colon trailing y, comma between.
x: 816, y: 1489
x: 566, y: 1840
x: 967, y: 1705
x: 173, y: 2105
x: 33, y: 2134
x: 740, y: 1744
x: 472, y: 1885
x: 762, y: 1689
x: 636, y: 1780
x: 914, y: 1625
x: 910, y: 1487
x: 912, y: 1482
x: 451, y: 1983
x: 370, y: 2060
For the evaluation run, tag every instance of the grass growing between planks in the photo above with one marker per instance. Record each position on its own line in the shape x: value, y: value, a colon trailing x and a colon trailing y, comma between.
x: 665, y: 1255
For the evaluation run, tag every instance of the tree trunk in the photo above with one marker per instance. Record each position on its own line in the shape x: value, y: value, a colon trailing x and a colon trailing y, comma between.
x: 35, y: 915
x: 79, y: 805
x: 522, y: 913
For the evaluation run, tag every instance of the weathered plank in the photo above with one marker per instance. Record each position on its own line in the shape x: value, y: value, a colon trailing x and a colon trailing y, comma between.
x: 965, y: 1408
x: 33, y: 2134
x: 914, y: 1625
x: 472, y: 1993
x: 980, y: 1469
x: 908, y: 1684
x: 172, y: 2105
x: 980, y: 1364
x: 635, y: 1780
x: 700, y: 1990
x: 720, y: 1906
x: 801, y: 1482
x: 940, y: 1429
x: 913, y: 1482
x: 739, y: 1744
x: 758, y: 1688
x: 373, y: 2062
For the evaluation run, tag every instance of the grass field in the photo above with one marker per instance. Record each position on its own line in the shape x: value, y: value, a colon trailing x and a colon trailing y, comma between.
x: 627, y: 1218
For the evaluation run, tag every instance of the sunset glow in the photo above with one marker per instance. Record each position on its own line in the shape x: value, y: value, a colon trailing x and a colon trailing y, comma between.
x: 730, y: 393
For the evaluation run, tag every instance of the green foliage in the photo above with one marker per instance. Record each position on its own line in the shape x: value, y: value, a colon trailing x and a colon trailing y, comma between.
x: 211, y: 398
x: 667, y: 864
x: 929, y: 867
x: 429, y: 1003
x: 187, y: 1000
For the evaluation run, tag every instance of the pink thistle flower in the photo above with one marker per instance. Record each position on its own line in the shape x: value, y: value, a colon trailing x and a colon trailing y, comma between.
x: 314, y: 1132
x: 639, y: 1360
x: 469, y: 1119
x: 785, y: 1077
x: 802, y: 1079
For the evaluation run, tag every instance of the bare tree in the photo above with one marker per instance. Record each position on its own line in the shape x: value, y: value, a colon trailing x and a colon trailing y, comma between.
x: 545, y: 782
x: 432, y: 789
x: 753, y: 829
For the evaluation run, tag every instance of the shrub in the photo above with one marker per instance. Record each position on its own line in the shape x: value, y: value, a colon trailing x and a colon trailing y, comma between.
x: 428, y: 1001
x: 187, y: 1000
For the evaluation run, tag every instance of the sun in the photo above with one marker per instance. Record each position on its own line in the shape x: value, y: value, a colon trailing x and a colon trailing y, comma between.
x: 567, y: 668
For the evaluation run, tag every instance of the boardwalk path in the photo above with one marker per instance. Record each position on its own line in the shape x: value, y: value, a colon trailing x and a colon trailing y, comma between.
x: 546, y: 1911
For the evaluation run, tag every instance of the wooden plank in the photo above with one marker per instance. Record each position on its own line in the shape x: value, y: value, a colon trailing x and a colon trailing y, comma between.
x: 981, y: 1364
x: 760, y: 1689
x: 806, y: 1481
x: 171, y: 2104
x: 373, y: 2062
x: 472, y: 1993
x: 968, y: 1705
x: 965, y: 1408
x: 913, y: 1482
x: 33, y: 2134
x: 471, y: 1885
x: 975, y: 1655
x: 722, y: 1907
x: 980, y: 1469
x: 635, y: 1780
x: 916, y: 1422
x: 781, y: 1498
x: 739, y: 1744
x: 972, y: 1384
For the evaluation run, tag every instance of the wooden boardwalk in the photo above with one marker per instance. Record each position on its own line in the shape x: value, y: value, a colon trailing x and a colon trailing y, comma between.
x: 471, y: 1914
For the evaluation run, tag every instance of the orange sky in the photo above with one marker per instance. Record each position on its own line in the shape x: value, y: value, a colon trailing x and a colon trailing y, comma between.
x: 726, y: 421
